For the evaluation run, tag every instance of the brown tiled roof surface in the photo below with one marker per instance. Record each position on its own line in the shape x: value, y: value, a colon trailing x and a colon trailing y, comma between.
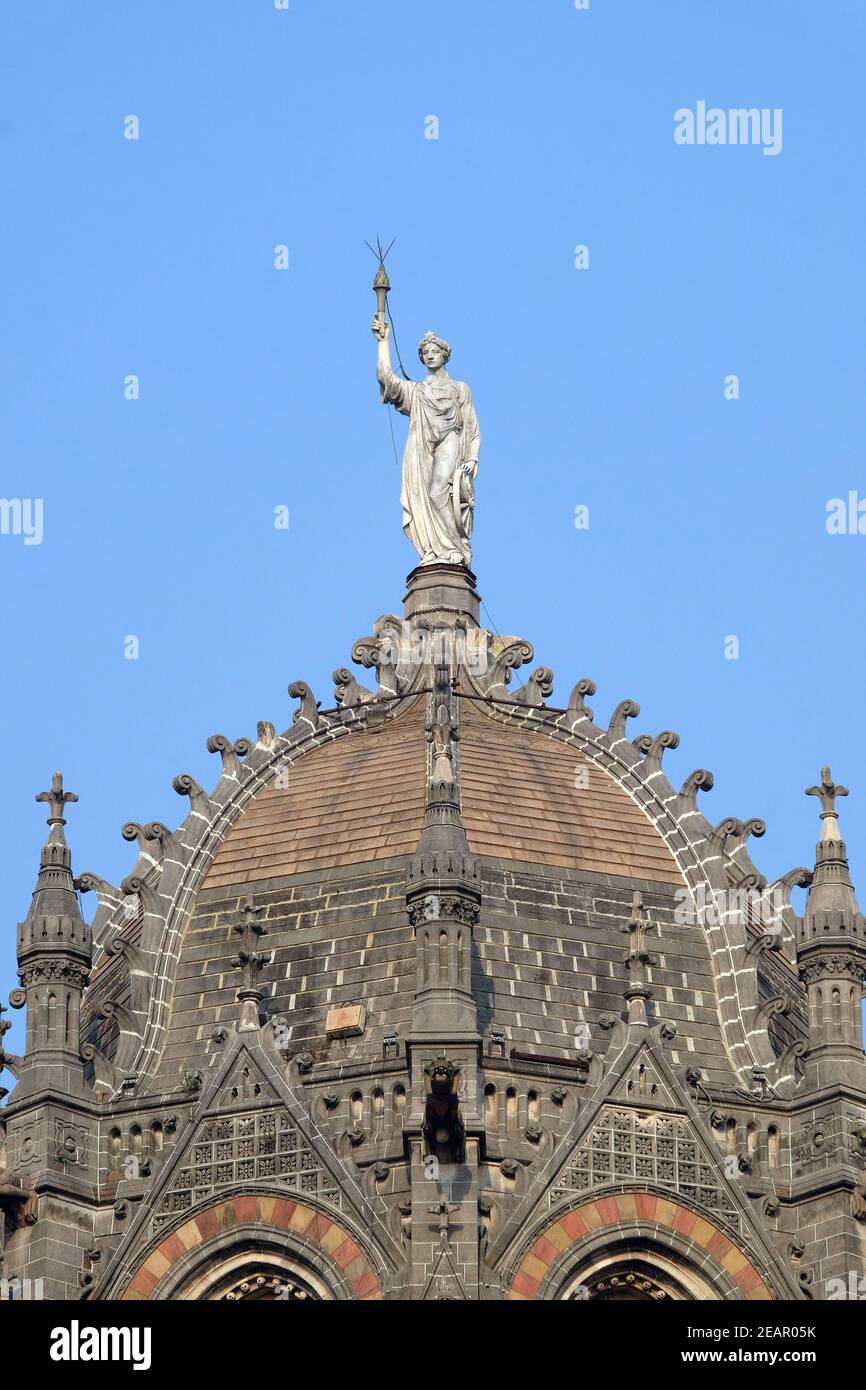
x: 361, y: 799
x: 353, y: 801
x: 522, y: 800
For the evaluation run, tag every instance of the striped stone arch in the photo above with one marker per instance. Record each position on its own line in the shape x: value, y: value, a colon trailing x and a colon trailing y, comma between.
x: 637, y: 1226
x: 242, y: 1227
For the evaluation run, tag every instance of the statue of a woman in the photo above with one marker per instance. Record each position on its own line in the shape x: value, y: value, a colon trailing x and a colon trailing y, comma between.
x: 441, y: 455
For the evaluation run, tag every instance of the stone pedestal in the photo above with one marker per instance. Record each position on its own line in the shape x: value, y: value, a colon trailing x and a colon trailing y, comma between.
x: 442, y: 593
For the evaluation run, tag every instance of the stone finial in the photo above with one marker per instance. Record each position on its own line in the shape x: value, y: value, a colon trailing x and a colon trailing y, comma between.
x: 57, y: 799
x: 828, y: 791
x: 55, y: 850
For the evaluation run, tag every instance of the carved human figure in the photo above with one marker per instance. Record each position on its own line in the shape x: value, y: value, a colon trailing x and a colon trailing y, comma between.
x: 440, y: 460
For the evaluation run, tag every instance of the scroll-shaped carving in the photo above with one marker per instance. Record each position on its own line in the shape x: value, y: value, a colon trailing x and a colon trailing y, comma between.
x: 380, y: 653
x: 793, y: 1060
x: 653, y: 749
x: 199, y: 801
x: 701, y: 780
x: 780, y: 891
x: 106, y: 894
x: 626, y: 709
x: 133, y: 831
x: 780, y: 1004
x: 347, y: 691
x: 512, y: 655
x: 231, y: 753
x: 308, y: 710
x: 719, y: 835
x: 153, y: 838
x: 537, y: 688
x: 576, y: 700
x: 160, y: 834
x: 134, y: 885
x: 749, y: 827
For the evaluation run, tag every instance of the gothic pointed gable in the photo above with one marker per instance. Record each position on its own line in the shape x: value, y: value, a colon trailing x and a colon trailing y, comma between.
x: 248, y: 1133
x: 641, y: 1131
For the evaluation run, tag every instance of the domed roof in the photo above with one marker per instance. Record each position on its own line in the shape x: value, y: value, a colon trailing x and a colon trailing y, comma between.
x: 525, y: 797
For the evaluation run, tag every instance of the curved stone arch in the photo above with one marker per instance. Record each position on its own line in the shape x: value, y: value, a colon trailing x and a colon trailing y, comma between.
x: 229, y: 799
x: 631, y: 1222
x: 178, y: 1259
x: 746, y: 1042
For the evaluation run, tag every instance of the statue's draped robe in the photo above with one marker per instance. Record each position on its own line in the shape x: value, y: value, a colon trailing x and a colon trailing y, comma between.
x: 443, y: 437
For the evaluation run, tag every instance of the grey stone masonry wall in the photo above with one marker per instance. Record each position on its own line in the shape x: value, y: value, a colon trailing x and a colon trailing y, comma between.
x: 549, y: 958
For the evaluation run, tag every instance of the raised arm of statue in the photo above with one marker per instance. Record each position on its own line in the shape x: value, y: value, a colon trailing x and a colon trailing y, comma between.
x: 394, y: 390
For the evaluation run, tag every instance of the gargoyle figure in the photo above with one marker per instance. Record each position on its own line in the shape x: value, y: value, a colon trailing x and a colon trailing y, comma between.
x: 444, y: 1135
x: 17, y: 1200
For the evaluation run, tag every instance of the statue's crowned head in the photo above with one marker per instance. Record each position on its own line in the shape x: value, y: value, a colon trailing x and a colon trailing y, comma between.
x: 433, y: 351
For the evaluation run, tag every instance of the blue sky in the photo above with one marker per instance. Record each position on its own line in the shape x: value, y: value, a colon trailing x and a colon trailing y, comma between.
x: 602, y: 387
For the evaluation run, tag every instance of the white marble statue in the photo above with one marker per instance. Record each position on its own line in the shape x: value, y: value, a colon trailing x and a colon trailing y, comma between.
x: 440, y: 460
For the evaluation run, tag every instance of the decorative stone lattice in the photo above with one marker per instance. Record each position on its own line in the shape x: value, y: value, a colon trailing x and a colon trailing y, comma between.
x: 649, y: 1146
x: 235, y: 1150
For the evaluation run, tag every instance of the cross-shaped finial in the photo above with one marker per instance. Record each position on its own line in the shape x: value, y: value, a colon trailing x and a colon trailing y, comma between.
x: 827, y: 792
x: 57, y: 798
x: 443, y: 1209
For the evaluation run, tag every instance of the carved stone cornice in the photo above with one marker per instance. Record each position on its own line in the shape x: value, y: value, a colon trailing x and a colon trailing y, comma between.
x: 434, y: 907
x: 50, y: 970
x: 825, y: 965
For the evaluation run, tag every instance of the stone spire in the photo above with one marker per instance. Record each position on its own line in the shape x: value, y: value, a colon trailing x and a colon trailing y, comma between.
x: 443, y: 894
x: 54, y: 958
x: 831, y: 950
